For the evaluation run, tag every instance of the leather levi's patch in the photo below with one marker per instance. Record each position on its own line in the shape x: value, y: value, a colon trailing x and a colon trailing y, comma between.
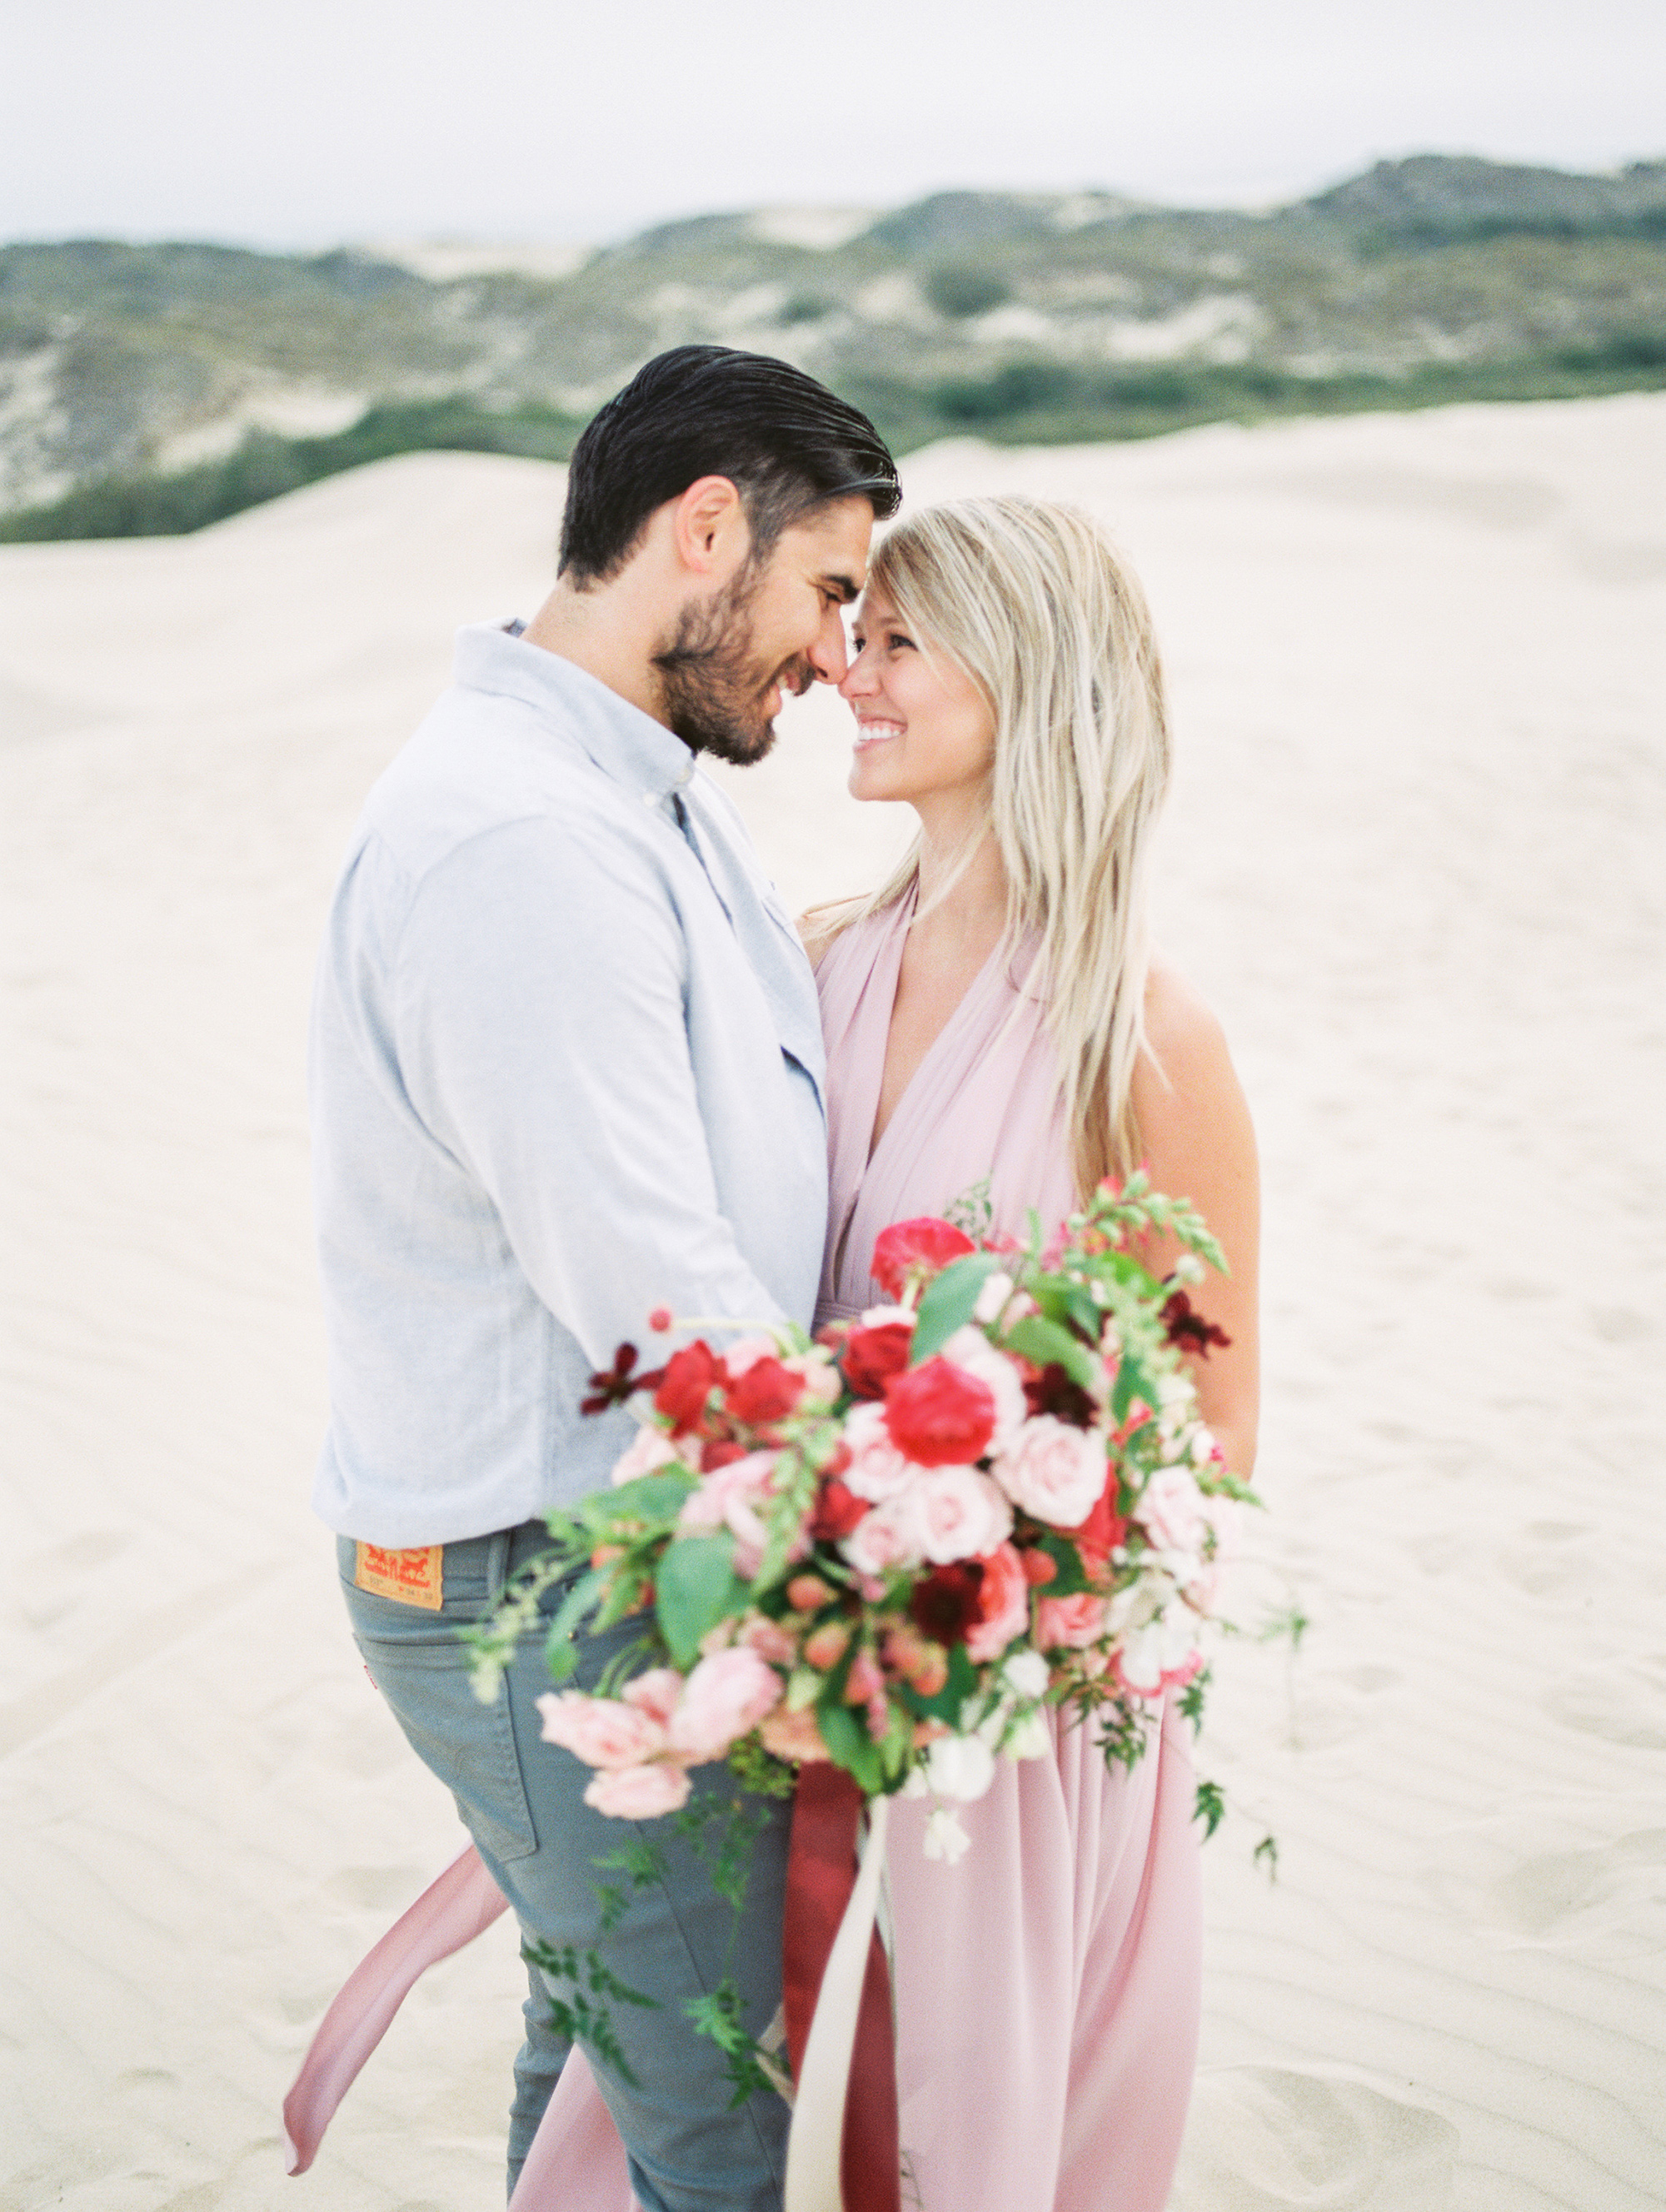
x: 408, y: 1577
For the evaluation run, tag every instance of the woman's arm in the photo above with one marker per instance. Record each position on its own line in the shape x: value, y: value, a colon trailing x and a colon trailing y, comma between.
x: 1197, y: 1143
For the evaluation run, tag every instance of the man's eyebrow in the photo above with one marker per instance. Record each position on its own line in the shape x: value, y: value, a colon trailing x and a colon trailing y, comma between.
x: 846, y: 587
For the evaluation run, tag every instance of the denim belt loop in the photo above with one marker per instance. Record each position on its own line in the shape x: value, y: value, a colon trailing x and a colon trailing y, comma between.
x: 497, y: 1562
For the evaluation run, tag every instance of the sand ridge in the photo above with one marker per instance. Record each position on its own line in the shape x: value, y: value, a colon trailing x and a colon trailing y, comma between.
x: 1414, y: 860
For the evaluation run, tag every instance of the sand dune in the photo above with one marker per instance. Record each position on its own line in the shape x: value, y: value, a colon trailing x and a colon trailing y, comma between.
x: 1415, y: 859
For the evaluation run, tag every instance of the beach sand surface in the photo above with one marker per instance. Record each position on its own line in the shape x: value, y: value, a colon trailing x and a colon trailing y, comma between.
x: 1415, y: 860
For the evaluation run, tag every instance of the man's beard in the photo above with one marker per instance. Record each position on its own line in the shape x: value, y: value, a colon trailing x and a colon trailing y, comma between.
x: 713, y: 690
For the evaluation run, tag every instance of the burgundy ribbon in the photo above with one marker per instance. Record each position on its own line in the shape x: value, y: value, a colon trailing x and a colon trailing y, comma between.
x: 821, y: 1872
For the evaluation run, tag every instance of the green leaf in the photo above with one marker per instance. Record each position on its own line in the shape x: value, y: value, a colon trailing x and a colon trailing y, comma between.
x: 578, y: 1602
x: 656, y: 1497
x: 851, y: 1746
x: 1132, y: 1383
x: 949, y: 1301
x: 1209, y: 1807
x: 1049, y: 1345
x: 694, y: 1587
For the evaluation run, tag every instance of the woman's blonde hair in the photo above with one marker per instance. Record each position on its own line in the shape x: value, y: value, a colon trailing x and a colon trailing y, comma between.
x: 1034, y: 603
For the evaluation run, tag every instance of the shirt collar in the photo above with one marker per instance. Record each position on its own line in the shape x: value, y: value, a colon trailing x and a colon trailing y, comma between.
x: 625, y: 744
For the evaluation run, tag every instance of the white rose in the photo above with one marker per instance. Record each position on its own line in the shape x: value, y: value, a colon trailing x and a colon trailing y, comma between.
x: 1030, y: 1739
x: 877, y: 1470
x: 959, y: 1766
x: 890, y: 1535
x: 1025, y: 1674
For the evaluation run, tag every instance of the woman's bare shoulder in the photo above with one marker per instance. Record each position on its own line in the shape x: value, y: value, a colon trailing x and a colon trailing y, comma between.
x: 1183, y: 1035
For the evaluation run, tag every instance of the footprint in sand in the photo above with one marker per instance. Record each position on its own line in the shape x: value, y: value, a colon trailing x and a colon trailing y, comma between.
x: 1624, y: 1703
x: 1558, y: 1877
x: 1320, y: 2138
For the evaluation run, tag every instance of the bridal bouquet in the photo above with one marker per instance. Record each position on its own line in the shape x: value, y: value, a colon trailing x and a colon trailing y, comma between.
x: 896, y: 1547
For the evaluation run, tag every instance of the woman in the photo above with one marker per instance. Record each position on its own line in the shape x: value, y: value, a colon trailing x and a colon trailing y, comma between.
x: 992, y: 1012
x: 992, y: 1018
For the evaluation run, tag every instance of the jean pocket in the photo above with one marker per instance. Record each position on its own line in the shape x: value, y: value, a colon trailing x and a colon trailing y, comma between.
x: 469, y: 1746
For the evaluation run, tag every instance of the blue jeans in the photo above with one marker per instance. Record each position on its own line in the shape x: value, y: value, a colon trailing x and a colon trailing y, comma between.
x: 522, y: 1801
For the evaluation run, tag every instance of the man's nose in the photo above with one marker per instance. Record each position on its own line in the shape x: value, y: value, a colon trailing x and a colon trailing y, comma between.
x: 830, y: 656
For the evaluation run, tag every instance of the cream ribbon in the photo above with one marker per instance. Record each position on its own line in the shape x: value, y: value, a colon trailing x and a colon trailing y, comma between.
x: 818, y: 2131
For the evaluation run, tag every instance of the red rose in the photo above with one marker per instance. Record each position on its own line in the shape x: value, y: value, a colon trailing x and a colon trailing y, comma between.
x: 723, y: 1453
x: 690, y: 1376
x: 945, y: 1604
x: 873, y: 1356
x: 837, y: 1511
x: 1103, y: 1528
x: 766, y: 1392
x: 939, y: 1415
x: 919, y: 1247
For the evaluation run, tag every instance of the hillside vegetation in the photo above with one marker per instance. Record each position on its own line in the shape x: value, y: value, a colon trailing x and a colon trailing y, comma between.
x: 153, y: 389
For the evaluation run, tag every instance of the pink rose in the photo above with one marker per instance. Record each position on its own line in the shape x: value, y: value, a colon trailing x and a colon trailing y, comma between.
x: 1076, y: 1621
x: 1055, y: 1471
x: 639, y: 1793
x: 729, y: 1498
x: 888, y: 1536
x: 1003, y: 1599
x: 724, y: 1697
x: 962, y: 1514
x: 877, y: 1470
x: 768, y: 1639
x: 969, y: 1348
x: 746, y: 1351
x: 655, y: 1693
x: 650, y: 1448
x: 1171, y: 1512
x: 821, y: 1383
x: 601, y: 1731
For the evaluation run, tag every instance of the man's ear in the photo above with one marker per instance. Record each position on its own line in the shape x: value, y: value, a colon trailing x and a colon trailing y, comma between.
x: 710, y: 529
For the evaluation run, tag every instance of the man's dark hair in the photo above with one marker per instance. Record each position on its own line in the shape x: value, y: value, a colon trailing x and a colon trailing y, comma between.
x: 785, y: 442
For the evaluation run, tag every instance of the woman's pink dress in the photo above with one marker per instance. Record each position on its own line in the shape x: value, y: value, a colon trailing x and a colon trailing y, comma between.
x: 1048, y: 1985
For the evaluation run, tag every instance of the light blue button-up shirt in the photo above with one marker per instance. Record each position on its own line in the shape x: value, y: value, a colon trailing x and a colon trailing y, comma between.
x: 566, y: 1066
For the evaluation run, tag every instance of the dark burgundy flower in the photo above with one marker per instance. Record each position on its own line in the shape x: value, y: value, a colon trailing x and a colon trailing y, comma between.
x: 766, y: 1392
x: 837, y: 1511
x: 871, y: 1356
x: 1193, y: 1332
x: 611, y: 1385
x: 1050, y: 1391
x: 690, y: 1376
x: 922, y: 1247
x: 939, y: 1415
x: 946, y: 1603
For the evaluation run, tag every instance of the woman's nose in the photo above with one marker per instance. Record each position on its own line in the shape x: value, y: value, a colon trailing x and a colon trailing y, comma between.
x: 859, y: 679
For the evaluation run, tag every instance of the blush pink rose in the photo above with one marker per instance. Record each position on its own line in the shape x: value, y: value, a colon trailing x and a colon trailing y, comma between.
x: 1076, y: 1621
x: 650, y: 1448
x: 1003, y: 1599
x: 888, y: 1536
x: 961, y: 1514
x: 877, y: 1470
x: 639, y: 1793
x: 729, y: 1498
x: 655, y: 1693
x: 723, y: 1698
x: 1054, y: 1470
x: 1172, y: 1514
x: 768, y: 1639
x: 601, y: 1731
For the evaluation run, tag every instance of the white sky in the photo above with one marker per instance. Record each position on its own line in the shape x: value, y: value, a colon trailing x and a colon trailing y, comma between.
x: 318, y: 120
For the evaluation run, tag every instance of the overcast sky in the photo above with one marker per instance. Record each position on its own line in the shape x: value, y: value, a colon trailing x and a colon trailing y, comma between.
x: 319, y: 120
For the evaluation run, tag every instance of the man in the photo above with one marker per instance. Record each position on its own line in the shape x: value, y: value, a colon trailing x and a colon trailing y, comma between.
x: 566, y: 1068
